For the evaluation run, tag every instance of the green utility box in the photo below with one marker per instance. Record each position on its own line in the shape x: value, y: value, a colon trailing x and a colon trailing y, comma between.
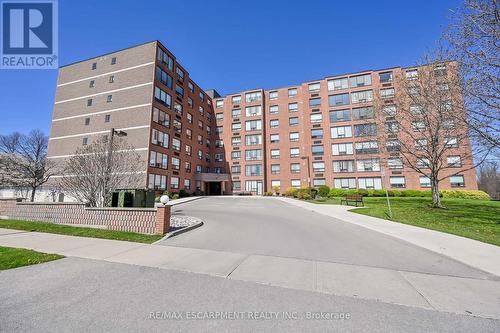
x: 133, y: 198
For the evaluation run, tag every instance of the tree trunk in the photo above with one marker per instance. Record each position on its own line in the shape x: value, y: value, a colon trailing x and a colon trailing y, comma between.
x: 436, y: 199
x: 33, y: 190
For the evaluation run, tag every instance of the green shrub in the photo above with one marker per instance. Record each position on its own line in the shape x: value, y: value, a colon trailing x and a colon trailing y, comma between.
x: 323, y: 191
x: 184, y: 194
x: 268, y: 194
x: 336, y: 192
x: 416, y: 193
x: 303, y: 195
x: 175, y: 196
x: 465, y: 194
x: 321, y: 199
x: 291, y: 192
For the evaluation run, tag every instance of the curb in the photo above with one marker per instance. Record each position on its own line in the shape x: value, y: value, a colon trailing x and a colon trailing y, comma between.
x: 179, y: 231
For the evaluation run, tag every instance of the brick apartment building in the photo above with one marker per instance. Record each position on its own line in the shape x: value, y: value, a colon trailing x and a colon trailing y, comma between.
x: 252, y: 141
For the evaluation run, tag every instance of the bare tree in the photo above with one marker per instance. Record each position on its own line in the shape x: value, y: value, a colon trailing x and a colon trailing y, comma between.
x: 489, y: 179
x: 426, y: 124
x: 23, y: 160
x: 474, y: 37
x: 96, y: 170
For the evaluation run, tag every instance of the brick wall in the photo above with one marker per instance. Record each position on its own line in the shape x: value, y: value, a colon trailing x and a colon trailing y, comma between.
x: 142, y: 220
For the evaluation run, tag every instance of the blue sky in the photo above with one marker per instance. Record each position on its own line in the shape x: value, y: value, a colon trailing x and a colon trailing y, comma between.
x: 232, y: 45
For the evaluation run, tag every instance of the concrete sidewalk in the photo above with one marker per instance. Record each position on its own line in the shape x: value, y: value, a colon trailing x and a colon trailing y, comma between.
x: 480, y: 255
x: 479, y: 297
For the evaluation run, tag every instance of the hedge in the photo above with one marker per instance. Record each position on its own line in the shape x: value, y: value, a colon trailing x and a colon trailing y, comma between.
x: 461, y: 194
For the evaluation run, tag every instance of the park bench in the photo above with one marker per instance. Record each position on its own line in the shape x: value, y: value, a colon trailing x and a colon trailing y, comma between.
x: 356, y: 198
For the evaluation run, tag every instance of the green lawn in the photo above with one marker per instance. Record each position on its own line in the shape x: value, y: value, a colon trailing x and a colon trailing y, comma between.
x: 476, y: 219
x: 78, y: 231
x: 12, y: 257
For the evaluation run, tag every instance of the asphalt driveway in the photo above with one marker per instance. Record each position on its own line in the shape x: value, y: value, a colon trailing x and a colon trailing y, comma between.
x: 268, y: 227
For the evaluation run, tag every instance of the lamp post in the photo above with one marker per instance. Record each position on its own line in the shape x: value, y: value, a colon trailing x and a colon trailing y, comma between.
x: 308, y: 170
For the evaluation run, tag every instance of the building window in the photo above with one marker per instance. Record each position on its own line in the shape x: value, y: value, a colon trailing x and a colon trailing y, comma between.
x: 340, y: 99
x: 107, y: 118
x: 201, y: 96
x: 314, y: 87
x: 109, y: 98
x: 190, y: 102
x: 294, y: 152
x: 274, y: 123
x: 370, y: 183
x: 341, y: 132
x: 451, y: 142
x: 111, y: 79
x: 236, y: 113
x: 219, y: 103
x: 85, y: 141
x: 187, y: 184
x: 157, y: 182
x: 418, y: 126
x: 177, y: 126
x: 253, y: 155
x: 344, y: 183
x: 363, y: 113
x: 361, y: 80
x: 236, y: 127
x: 176, y: 144
x: 343, y: 166
x: 412, y: 74
x: 340, y: 115
x: 273, y: 95
x: 253, y: 125
x: 338, y: 84
x: 275, y: 183
x: 180, y: 73
x: 174, y: 183
x: 275, y: 169
x: 189, y: 150
x: 387, y: 93
x: 317, y: 150
x: 236, y: 140
x: 275, y: 138
x: 368, y: 165
x: 236, y: 169
x: 293, y: 107
x: 187, y: 167
x: 165, y: 59
x: 189, y: 133
x: 253, y: 111
x: 361, y: 130
x: 219, y: 116
x: 389, y: 110
x: 295, y: 168
x: 89, y: 102
x: 253, y: 139
x: 425, y: 181
x: 191, y: 87
x: 315, y: 102
x: 159, y: 138
x: 273, y: 109
x: 294, y: 136
x: 397, y: 182
x: 295, y: 183
x: 391, y: 127
x: 87, y: 121
x: 219, y: 157
x: 237, y: 186
x: 94, y: 65
x: 162, y: 97
x: 163, y: 77
x: 275, y: 153
x: 457, y: 181
x: 385, y: 77
x: 342, y: 149
x: 393, y: 146
x: 253, y: 97
x: 316, y: 118
x: 319, y: 182
x: 395, y: 163
x: 253, y: 170
x: 236, y: 99
x: 292, y: 92
x: 179, y: 90
x: 362, y: 96
x: 176, y: 163
x: 454, y: 161
x: 293, y: 121
x: 236, y: 155
x: 92, y: 84
x: 318, y: 166
x: 317, y: 133
x: 367, y: 147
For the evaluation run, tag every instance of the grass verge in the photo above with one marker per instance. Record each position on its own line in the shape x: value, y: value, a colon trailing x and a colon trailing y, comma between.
x: 475, y: 219
x: 78, y: 231
x: 13, y: 257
